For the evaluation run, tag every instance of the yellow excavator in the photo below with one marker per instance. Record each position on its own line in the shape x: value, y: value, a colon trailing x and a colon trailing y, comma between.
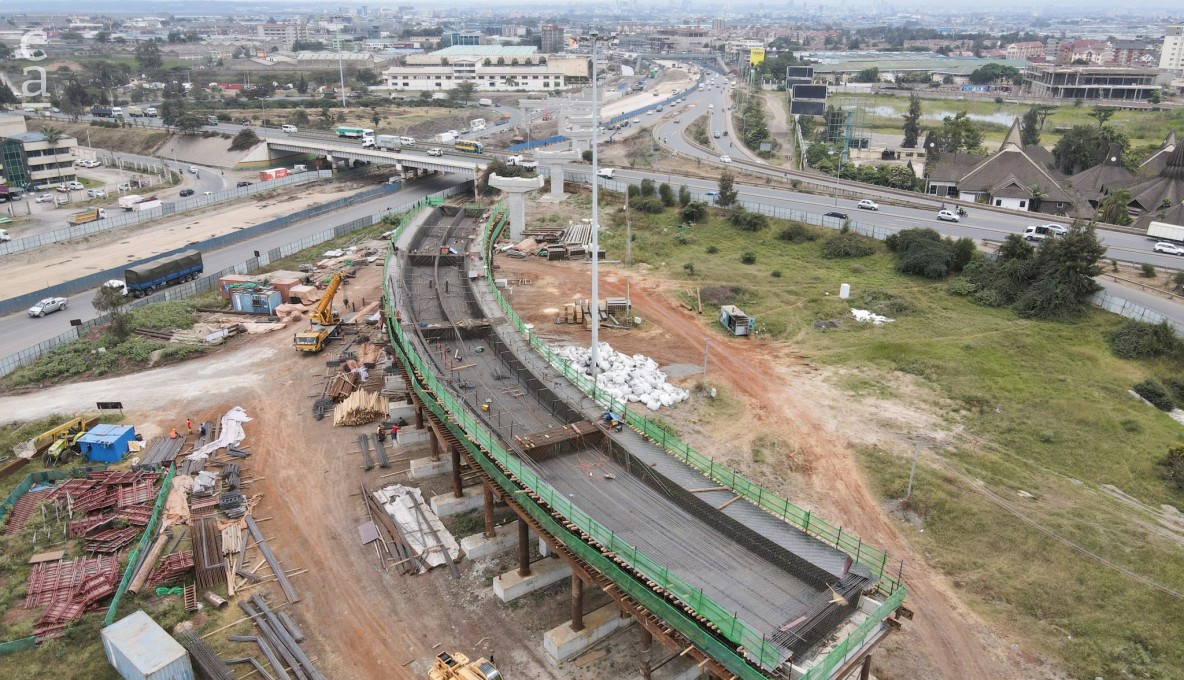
x: 325, y: 321
x: 457, y: 666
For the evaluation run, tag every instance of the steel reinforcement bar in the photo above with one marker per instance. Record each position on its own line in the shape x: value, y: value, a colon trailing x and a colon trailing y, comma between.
x: 874, y: 559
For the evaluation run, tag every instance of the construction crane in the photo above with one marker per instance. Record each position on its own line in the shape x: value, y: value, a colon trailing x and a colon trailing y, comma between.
x: 458, y: 667
x: 325, y: 321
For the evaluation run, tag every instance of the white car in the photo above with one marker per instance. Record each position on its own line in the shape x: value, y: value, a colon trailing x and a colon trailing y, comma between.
x: 96, y: 193
x: 711, y: 106
x: 44, y: 198
x: 725, y: 159
x: 1056, y: 229
x: 867, y: 204
x: 947, y: 216
x: 125, y: 187
x: 1169, y: 248
x: 435, y: 151
x: 193, y: 169
x: 51, y: 304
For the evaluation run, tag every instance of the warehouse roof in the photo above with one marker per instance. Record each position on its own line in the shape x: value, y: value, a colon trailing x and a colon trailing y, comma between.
x: 487, y: 51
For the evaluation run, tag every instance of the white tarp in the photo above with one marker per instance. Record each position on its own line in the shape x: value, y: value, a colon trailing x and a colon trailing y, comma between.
x: 866, y: 316
x: 232, y: 433
x: 397, y: 500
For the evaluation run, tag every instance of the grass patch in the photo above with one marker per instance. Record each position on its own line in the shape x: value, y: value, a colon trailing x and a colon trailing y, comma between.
x: 1047, y: 408
x: 173, y: 315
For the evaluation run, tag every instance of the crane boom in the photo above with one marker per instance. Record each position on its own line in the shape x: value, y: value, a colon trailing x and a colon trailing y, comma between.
x: 325, y: 321
x: 323, y: 313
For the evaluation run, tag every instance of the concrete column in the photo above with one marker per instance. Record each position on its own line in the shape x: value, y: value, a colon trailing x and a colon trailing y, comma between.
x: 515, y: 189
x: 434, y: 443
x: 457, y: 490
x: 490, y: 530
x: 523, y: 549
x: 577, y: 603
x: 557, y: 180
x: 647, y: 646
x: 419, y: 418
x: 865, y: 670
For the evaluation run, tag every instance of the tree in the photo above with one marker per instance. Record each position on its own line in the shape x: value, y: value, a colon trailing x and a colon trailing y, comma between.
x: 245, y: 139
x: 684, y: 196
x: 463, y: 92
x: 727, y: 189
x: 367, y: 76
x: 53, y: 136
x: 302, y: 85
x: 694, y: 211
x: 112, y: 302
x: 1084, y: 146
x: 993, y: 73
x: 172, y: 111
x: 648, y: 188
x: 103, y: 37
x: 1043, y: 111
x: 300, y: 118
x: 1065, y: 269
x: 1030, y: 127
x: 148, y: 55
x: 666, y: 193
x: 912, y: 122
x: 959, y: 134
x: 5, y: 51
x: 867, y: 75
x: 374, y: 116
x: 1102, y: 114
x: 1113, y: 207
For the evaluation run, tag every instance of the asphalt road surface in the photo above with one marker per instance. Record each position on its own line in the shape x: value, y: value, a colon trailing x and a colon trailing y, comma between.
x: 18, y: 331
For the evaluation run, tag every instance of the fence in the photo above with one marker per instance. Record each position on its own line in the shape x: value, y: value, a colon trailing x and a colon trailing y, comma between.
x: 524, y: 146
x: 145, y: 540
x: 122, y: 219
x: 874, y: 559
x: 1131, y: 310
x: 27, y: 356
x: 664, y: 102
x: 96, y: 279
x: 40, y: 477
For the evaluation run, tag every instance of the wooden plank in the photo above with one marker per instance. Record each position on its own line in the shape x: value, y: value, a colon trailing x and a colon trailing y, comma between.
x: 51, y: 556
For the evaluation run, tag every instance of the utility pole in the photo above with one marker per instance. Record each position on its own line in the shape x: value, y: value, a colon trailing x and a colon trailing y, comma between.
x: 341, y: 69
x: 595, y: 352
x: 706, y: 350
x: 628, y: 231
x: 913, y: 471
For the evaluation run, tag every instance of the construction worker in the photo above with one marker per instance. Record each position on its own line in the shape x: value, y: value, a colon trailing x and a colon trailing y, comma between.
x: 381, y: 434
x: 201, y: 430
x: 189, y: 425
x: 173, y: 435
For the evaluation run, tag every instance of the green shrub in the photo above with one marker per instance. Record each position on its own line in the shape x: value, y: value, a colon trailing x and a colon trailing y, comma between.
x: 174, y: 352
x: 990, y: 298
x: 175, y: 315
x: 1154, y: 392
x: 884, y: 303
x: 1139, y: 340
x: 903, y: 239
x: 72, y: 358
x: 748, y: 257
x: 1176, y: 387
x: 712, y: 250
x: 650, y: 205
x: 797, y: 233
x: 666, y: 194
x: 689, y: 268
x: 1173, y: 467
x: 924, y: 257
x: 1131, y: 425
x: 136, y: 349
x: 695, y: 211
x: 776, y: 273
x: 649, y: 188
x: 683, y: 238
x: 1147, y: 271
x: 847, y: 245
x: 963, y: 286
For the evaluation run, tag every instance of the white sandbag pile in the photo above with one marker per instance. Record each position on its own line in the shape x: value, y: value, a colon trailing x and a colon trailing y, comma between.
x: 628, y: 378
x: 866, y: 316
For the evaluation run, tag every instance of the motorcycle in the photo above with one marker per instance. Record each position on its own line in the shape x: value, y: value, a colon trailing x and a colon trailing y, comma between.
x: 961, y: 211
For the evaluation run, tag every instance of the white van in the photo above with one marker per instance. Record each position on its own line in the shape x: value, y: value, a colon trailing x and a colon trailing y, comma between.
x: 288, y: 128
x: 407, y: 141
x: 116, y: 111
x: 606, y: 173
x: 150, y: 111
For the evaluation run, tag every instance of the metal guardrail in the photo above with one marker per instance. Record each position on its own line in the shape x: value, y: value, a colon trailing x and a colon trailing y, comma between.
x: 526, y: 146
x: 27, y: 356
x: 664, y: 102
x: 122, y: 219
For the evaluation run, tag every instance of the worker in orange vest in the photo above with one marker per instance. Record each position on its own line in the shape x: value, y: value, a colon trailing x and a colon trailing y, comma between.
x: 189, y: 425
x: 174, y: 434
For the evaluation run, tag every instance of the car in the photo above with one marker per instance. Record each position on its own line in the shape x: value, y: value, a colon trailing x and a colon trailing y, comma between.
x: 947, y: 215
x: 54, y: 109
x: 207, y: 193
x: 124, y: 187
x: 1039, y: 232
x: 867, y: 204
x: 243, y: 183
x: 288, y: 128
x: 193, y: 169
x: 711, y: 195
x: 637, y: 121
x: 836, y: 213
x: 96, y: 193
x: 44, y: 198
x: 677, y: 120
x: 47, y: 306
x: 1169, y: 248
x: 435, y: 151
x: 711, y: 106
x: 62, y: 188
x: 725, y: 159
x: 1056, y: 229
x: 715, y: 134
x: 186, y: 192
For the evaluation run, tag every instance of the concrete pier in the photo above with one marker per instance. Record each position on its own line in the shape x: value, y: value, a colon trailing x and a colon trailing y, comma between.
x: 564, y: 644
x: 546, y: 572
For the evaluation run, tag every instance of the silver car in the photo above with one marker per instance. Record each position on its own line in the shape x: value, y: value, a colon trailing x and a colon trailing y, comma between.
x: 48, y: 305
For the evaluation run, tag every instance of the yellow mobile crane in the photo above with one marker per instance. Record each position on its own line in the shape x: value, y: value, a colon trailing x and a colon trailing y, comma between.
x: 325, y: 321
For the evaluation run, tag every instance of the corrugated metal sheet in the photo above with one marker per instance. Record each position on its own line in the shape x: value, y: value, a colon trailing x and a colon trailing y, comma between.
x: 139, y: 649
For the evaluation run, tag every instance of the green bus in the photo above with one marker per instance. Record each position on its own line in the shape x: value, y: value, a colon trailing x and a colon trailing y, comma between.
x: 469, y: 146
x: 355, y: 132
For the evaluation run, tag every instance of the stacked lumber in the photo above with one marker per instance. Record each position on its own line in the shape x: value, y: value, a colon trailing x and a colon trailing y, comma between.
x: 360, y: 408
x: 341, y: 385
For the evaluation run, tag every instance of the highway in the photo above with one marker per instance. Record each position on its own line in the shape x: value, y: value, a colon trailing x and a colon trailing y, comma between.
x: 18, y: 331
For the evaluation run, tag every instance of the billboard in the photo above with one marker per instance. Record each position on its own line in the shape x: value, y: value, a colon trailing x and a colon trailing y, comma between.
x: 809, y: 92
x: 807, y: 108
x: 806, y: 72
x: 756, y: 56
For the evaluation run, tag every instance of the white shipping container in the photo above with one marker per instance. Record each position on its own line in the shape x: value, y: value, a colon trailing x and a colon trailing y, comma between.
x: 139, y: 649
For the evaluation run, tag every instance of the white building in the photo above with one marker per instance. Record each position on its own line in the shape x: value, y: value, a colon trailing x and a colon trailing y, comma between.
x: 491, y: 78
x: 286, y: 34
x: 1171, y: 58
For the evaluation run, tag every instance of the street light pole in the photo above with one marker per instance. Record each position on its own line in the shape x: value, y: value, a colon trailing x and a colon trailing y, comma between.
x: 595, y: 353
x: 341, y: 70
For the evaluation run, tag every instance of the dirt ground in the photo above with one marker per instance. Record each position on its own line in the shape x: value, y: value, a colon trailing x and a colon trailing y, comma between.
x: 672, y: 79
x: 48, y: 266
x: 782, y: 395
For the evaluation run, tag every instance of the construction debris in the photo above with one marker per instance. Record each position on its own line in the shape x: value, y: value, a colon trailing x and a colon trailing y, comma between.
x: 360, y: 408
x: 421, y: 530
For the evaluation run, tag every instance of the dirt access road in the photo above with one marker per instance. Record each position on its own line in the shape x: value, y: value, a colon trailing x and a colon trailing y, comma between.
x: 784, y: 396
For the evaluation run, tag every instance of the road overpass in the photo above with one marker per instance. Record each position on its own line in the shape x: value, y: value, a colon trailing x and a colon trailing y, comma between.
x: 464, y: 167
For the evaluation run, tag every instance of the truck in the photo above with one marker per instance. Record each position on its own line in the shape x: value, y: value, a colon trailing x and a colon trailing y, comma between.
x: 167, y: 271
x: 135, y: 112
x: 389, y: 142
x: 477, y: 124
x: 92, y: 215
x: 445, y: 137
x: 101, y: 112
x: 522, y: 162
x: 130, y: 202
x: 265, y: 175
x: 1165, y: 231
x: 485, y: 101
x: 324, y: 320
x: 148, y: 204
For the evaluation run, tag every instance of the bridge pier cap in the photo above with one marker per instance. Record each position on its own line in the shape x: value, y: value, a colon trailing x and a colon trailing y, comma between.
x: 515, y: 189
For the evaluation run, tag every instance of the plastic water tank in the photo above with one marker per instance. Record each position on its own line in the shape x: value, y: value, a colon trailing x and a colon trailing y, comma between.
x: 845, y: 291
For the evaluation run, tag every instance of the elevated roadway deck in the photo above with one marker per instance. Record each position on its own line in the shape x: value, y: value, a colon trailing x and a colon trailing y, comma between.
x: 469, y: 169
